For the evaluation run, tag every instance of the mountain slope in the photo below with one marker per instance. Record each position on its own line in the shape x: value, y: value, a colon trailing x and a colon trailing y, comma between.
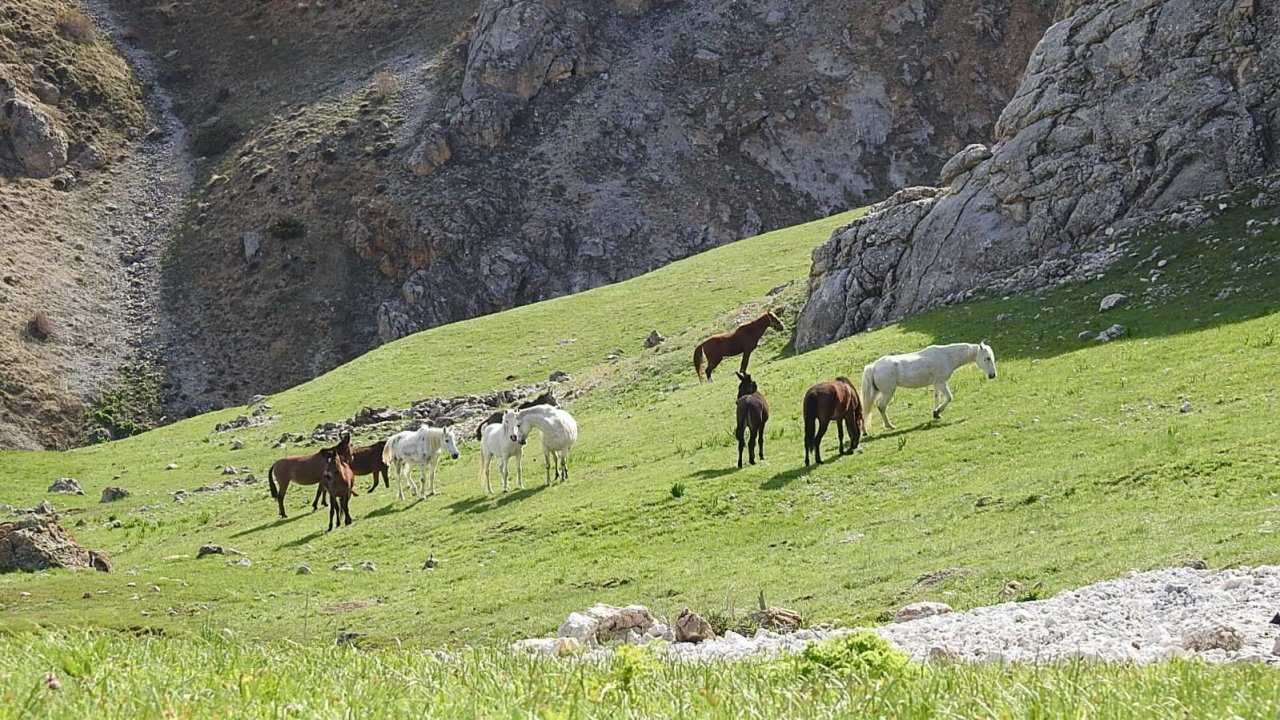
x: 1076, y: 464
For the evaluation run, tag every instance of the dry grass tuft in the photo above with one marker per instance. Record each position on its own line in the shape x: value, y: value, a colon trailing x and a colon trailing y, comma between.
x: 77, y: 26
x: 385, y: 86
x: 39, y: 328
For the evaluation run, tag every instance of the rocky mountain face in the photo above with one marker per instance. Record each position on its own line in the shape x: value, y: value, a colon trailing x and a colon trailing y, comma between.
x: 229, y: 198
x: 1127, y: 107
x: 550, y: 147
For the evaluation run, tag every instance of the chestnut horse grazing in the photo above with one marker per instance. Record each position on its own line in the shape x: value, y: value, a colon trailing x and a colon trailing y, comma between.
x: 367, y: 460
x: 304, y: 470
x: 340, y: 483
x: 741, y: 341
x: 836, y: 400
x: 753, y: 412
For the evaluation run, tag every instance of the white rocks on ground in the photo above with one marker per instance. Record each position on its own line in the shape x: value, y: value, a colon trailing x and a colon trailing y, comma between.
x: 1216, y: 616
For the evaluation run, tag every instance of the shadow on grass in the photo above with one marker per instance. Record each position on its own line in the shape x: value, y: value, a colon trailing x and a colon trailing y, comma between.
x: 1047, y: 325
x: 482, y: 504
x: 785, y: 477
x: 712, y: 473
x: 267, y: 526
x: 902, y: 432
x: 299, y: 542
x: 391, y: 509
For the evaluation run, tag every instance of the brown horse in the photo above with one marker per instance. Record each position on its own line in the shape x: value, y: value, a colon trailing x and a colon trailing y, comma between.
x: 837, y: 400
x: 304, y: 470
x: 367, y: 460
x: 742, y: 340
x: 340, y: 483
x: 753, y: 412
x: 546, y: 398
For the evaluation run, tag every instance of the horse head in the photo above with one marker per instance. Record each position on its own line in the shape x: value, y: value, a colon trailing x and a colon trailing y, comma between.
x: 775, y: 322
x: 450, y: 443
x: 511, y: 425
x: 546, y: 398
x: 987, y: 359
x: 343, y: 448
x: 746, y: 385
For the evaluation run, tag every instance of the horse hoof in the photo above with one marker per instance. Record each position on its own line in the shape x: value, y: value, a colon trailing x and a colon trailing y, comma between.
x: 937, y: 415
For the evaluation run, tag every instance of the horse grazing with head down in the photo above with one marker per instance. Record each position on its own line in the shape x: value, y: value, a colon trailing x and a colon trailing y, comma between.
x: 753, y: 413
x: 835, y: 400
x: 340, y: 482
x: 930, y: 366
x: 304, y: 470
x: 740, y: 341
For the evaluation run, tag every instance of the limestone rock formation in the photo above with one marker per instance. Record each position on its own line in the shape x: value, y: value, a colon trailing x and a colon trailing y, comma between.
x: 1126, y: 107
x: 38, y: 542
x: 38, y: 143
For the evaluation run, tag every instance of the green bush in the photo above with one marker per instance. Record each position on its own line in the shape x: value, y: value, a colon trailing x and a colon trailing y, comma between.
x: 288, y: 227
x: 860, y: 653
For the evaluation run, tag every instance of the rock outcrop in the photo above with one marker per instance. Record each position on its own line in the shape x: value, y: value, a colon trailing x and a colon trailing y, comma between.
x: 37, y: 142
x: 1126, y: 108
x: 38, y: 542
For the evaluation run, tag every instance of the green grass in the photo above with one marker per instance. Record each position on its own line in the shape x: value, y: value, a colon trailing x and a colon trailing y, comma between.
x: 207, y: 676
x: 1073, y: 466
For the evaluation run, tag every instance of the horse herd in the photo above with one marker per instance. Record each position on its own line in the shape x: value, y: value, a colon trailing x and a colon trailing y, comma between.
x: 503, y: 434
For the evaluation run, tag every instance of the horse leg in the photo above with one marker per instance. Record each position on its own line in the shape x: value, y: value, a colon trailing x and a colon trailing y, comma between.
x: 564, y: 459
x: 817, y: 440
x: 546, y: 460
x: 485, y: 461
x: 851, y: 424
x: 713, y: 359
x: 752, y: 439
x: 746, y: 358
x: 320, y: 495
x: 502, y: 467
x: 520, y: 471
x: 374, y: 486
x: 283, y: 484
x: 346, y: 508
x: 760, y: 436
x: 946, y: 393
x: 740, y: 431
x: 431, y: 464
x: 840, y: 437
x: 882, y: 404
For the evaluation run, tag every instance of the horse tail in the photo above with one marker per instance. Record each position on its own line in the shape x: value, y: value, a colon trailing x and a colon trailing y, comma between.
x: 697, y: 361
x: 810, y: 420
x: 271, y: 483
x: 868, y: 393
x: 387, y: 453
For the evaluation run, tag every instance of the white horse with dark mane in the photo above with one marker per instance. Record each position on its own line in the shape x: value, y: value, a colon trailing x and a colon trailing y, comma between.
x: 495, y: 441
x: 930, y: 366
x: 559, y: 433
x: 419, y: 447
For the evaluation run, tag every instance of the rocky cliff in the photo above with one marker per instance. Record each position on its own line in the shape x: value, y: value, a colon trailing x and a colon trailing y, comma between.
x: 545, y: 148
x: 1127, y: 107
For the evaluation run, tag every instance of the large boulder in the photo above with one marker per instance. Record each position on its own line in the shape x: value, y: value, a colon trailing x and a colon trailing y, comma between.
x: 1126, y: 108
x: 37, y: 142
x: 37, y: 543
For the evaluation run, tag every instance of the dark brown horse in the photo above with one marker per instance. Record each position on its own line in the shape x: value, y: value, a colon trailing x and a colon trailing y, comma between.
x: 740, y: 341
x: 367, y: 460
x: 304, y: 470
x: 753, y: 412
x: 340, y: 483
x: 836, y: 400
x: 545, y: 398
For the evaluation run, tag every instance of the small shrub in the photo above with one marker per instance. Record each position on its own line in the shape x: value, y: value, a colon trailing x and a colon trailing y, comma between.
x: 860, y: 653
x: 287, y: 227
x: 677, y: 490
x: 38, y: 327
x: 385, y: 86
x: 629, y: 663
x: 78, y: 27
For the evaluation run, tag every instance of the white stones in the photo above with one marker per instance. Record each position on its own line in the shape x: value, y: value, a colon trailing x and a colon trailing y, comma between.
x: 303, y: 570
x: 1185, y: 408
x: 1218, y: 636
x: 555, y: 647
x: 915, y: 611
x: 579, y: 627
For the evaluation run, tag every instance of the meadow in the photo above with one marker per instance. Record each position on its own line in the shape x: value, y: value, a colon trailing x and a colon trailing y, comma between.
x: 1079, y: 462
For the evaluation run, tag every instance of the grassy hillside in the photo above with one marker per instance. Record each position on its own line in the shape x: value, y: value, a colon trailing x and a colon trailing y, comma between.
x: 1076, y: 464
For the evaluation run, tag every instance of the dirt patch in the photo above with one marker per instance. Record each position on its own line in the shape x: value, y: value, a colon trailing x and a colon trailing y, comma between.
x: 349, y: 606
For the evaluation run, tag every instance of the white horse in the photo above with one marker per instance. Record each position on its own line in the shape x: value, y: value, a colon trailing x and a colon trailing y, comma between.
x: 495, y: 441
x: 559, y: 432
x: 930, y: 366
x: 419, y: 447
